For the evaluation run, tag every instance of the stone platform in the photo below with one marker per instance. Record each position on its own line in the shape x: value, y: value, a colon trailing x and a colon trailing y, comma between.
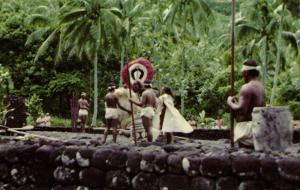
x: 82, y: 163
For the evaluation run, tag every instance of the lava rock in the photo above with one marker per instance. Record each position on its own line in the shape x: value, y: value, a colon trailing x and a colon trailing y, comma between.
x: 118, y: 180
x: 191, y: 164
x: 99, y: 158
x: 27, y: 152
x: 174, y: 182
x: 92, y: 177
x: 216, y: 164
x: 65, y: 175
x: 84, y: 156
x: 68, y: 157
x: 145, y: 181
x: 175, y: 163
x: 147, y: 162
x: 43, y: 154
x: 133, y: 162
x: 19, y: 175
x: 202, y: 183
x: 227, y: 183
x: 251, y: 185
x: 161, y: 162
x: 43, y: 174
x: 289, y: 168
x: 246, y: 166
x: 117, y: 160
x: 269, y: 168
x: 28, y: 187
x: 4, y: 171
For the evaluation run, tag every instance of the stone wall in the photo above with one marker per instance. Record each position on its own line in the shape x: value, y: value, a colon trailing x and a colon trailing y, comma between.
x: 73, y: 165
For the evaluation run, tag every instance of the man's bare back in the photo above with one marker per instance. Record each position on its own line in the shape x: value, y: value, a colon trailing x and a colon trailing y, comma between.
x: 148, y: 98
x: 252, y: 95
x: 111, y: 100
x: 83, y: 104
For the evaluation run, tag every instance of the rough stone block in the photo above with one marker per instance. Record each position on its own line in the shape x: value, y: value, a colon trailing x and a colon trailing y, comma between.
x: 117, y: 180
x: 43, y: 174
x: 4, y: 171
x: 145, y: 181
x: 68, y: 157
x: 269, y: 168
x: 289, y: 168
x: 175, y: 163
x: 27, y: 152
x: 174, y: 182
x: 202, y: 183
x: 99, y: 158
x: 227, y: 183
x: 117, y: 160
x: 191, y: 164
x: 84, y: 156
x: 216, y: 164
x: 246, y: 166
x: 67, y: 176
x: 161, y: 162
x: 133, y: 162
x: 19, y: 175
x: 92, y: 177
x: 272, y: 128
x: 147, y: 162
x: 251, y: 185
x: 43, y: 154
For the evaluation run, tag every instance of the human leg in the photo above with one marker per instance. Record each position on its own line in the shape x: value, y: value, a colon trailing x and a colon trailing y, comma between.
x: 147, y: 123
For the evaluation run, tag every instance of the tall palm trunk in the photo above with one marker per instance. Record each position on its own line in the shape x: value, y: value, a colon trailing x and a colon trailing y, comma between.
x: 95, y: 111
x: 122, y: 63
x: 183, y: 81
x: 264, y: 57
x: 278, y: 57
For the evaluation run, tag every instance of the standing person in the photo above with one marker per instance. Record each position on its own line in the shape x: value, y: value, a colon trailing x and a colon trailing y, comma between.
x: 252, y: 94
x: 148, y: 104
x: 83, y: 112
x: 111, y: 112
x: 170, y: 118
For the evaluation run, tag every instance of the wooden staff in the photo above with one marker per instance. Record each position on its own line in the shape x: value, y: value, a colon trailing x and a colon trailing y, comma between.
x: 24, y: 133
x: 232, y: 70
x: 131, y: 104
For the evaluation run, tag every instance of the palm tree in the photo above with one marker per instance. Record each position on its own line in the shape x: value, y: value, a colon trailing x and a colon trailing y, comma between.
x: 257, y: 27
x: 130, y: 9
x: 186, y: 19
x: 90, y: 28
x: 46, y: 19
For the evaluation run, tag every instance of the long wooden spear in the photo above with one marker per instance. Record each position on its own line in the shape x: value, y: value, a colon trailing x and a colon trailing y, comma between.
x: 232, y: 70
x: 131, y: 104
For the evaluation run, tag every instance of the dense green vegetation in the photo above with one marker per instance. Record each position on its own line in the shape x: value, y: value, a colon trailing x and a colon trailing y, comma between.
x: 51, y: 49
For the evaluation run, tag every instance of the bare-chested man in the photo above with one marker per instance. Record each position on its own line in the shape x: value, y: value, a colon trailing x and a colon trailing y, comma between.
x: 83, y: 110
x: 148, y: 104
x: 252, y: 94
x: 111, y: 112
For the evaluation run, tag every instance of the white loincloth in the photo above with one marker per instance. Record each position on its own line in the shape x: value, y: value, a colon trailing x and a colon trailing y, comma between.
x: 148, y: 112
x: 111, y: 113
x: 83, y: 112
x: 243, y: 133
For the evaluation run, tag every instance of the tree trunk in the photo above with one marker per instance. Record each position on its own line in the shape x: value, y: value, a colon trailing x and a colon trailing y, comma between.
x: 183, y: 81
x: 95, y: 107
x: 264, y: 58
x: 278, y: 57
x: 122, y: 63
x: 74, y: 107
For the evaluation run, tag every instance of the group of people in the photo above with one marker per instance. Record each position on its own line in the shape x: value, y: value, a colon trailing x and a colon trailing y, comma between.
x: 158, y: 114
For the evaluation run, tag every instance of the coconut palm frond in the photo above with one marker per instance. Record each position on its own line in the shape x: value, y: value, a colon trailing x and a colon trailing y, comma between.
x: 37, y: 35
x: 291, y: 39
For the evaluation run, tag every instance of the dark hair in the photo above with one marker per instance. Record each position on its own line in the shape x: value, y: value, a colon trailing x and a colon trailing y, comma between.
x: 168, y: 90
x: 250, y: 63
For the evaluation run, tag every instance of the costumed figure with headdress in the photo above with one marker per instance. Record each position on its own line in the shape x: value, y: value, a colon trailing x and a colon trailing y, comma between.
x: 135, y: 73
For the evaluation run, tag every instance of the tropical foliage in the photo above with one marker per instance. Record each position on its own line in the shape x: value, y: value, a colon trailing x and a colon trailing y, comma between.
x: 53, y: 48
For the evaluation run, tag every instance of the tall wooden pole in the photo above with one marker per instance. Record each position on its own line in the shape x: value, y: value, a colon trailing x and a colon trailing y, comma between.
x: 131, y: 104
x: 232, y: 70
